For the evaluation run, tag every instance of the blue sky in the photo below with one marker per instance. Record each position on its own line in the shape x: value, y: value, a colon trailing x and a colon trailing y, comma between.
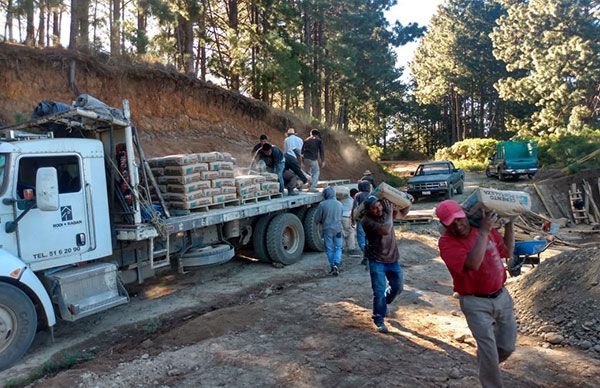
x: 407, y: 11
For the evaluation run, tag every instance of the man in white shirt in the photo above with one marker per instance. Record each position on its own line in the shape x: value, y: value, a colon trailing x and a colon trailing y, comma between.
x: 292, y: 145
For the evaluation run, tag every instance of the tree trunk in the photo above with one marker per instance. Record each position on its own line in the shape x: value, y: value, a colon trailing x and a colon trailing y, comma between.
x: 8, y: 27
x: 202, y: 41
x: 141, y: 41
x: 233, y: 23
x: 115, y: 29
x: 56, y: 28
x: 30, y: 28
x: 326, y: 97
x: 74, y: 28
x: 84, y: 25
x: 306, y: 82
x: 42, y: 24
x: 317, y: 87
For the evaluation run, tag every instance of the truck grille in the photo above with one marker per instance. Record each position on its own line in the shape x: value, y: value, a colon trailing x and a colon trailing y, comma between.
x: 427, y: 186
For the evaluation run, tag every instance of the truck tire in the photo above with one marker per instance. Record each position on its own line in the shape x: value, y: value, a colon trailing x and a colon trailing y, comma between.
x: 300, y: 212
x: 313, y: 231
x: 259, y: 238
x: 461, y: 187
x: 488, y: 172
x: 18, y: 324
x: 285, y: 239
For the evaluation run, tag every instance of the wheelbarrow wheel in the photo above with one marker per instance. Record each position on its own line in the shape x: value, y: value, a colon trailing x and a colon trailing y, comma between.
x: 514, y: 266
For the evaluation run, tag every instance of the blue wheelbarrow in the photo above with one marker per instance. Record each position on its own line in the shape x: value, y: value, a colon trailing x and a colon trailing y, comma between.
x: 526, y: 252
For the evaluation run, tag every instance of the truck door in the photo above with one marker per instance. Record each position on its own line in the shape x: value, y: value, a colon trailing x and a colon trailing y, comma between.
x: 50, y: 238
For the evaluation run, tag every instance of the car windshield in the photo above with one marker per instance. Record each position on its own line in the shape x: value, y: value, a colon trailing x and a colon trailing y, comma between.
x: 433, y: 169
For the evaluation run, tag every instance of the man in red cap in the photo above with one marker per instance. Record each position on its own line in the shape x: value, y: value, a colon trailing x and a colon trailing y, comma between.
x: 474, y: 258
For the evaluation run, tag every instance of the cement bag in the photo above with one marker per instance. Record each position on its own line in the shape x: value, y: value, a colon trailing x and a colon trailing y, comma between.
x: 504, y: 203
x: 399, y: 198
x: 342, y: 192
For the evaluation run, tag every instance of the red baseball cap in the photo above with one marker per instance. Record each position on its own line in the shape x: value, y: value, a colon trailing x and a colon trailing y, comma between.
x: 449, y: 210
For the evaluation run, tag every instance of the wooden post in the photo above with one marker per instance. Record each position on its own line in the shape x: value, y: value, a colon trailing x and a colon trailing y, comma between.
x: 539, y: 193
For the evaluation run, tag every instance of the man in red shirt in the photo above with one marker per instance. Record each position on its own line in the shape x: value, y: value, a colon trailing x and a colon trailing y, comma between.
x: 474, y: 258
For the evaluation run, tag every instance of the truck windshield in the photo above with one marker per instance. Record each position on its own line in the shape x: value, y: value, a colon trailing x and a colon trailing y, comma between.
x: 434, y: 169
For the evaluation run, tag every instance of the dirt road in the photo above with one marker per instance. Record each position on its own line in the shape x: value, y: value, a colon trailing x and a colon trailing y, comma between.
x: 249, y: 324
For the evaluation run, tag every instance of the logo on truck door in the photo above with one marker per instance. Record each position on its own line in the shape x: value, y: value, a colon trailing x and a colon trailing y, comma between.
x: 66, y: 213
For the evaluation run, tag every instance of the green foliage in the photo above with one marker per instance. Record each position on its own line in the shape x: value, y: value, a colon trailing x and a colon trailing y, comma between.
x: 375, y: 152
x: 63, y: 361
x: 551, y: 49
x: 469, y: 152
x: 470, y: 165
x: 394, y: 180
x: 564, y: 150
x: 152, y: 325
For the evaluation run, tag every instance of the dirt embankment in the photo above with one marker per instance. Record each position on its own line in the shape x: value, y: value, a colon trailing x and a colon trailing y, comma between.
x: 175, y: 113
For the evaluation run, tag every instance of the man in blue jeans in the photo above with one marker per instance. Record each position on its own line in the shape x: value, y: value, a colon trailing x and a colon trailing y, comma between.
x: 329, y: 213
x: 382, y: 252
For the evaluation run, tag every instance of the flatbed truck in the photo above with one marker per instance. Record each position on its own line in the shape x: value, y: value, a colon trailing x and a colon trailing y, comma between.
x: 70, y: 240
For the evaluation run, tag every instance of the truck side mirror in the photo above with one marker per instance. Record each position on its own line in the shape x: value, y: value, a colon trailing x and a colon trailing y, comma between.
x: 46, y: 186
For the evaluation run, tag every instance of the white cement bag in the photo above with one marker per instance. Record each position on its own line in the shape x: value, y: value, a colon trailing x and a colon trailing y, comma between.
x: 504, y: 203
x: 399, y: 198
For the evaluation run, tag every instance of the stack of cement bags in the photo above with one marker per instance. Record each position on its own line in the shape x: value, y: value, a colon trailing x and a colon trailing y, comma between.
x: 190, y: 181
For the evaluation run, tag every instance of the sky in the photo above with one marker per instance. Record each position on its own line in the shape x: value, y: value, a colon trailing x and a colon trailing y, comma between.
x: 407, y: 11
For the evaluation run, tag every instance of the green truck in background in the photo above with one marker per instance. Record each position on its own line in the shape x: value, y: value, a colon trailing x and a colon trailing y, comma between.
x: 513, y: 159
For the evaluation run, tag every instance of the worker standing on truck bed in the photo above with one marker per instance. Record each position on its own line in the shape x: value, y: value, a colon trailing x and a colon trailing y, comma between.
x: 274, y: 160
x: 329, y: 213
x: 382, y: 252
x: 313, y: 153
x: 292, y: 145
x: 474, y: 258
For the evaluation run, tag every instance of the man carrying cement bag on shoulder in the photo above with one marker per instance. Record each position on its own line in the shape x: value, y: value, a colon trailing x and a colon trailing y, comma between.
x: 473, y: 256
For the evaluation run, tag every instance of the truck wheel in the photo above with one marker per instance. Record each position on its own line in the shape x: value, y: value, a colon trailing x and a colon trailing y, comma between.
x: 18, y: 324
x: 461, y: 188
x: 259, y: 240
x: 488, y: 172
x: 285, y: 239
x: 300, y: 212
x: 501, y: 176
x: 313, y: 231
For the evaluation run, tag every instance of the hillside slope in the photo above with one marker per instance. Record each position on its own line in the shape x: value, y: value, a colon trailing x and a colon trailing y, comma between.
x: 175, y: 113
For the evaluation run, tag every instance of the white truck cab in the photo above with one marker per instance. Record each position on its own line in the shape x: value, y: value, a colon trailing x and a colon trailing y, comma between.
x: 53, y: 215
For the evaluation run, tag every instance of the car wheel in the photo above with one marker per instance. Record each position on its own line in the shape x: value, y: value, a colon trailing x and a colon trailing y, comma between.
x: 461, y: 188
x: 501, y: 176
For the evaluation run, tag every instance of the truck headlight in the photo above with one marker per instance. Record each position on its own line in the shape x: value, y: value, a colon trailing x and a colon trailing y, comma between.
x: 411, y: 186
x: 443, y: 184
